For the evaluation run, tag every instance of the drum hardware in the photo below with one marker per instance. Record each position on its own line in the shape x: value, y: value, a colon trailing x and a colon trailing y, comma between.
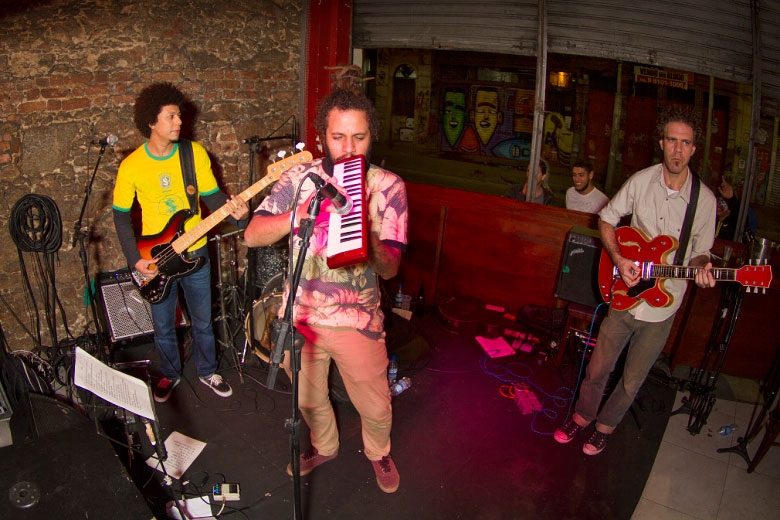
x: 702, y: 381
x: 230, y: 301
x: 257, y: 324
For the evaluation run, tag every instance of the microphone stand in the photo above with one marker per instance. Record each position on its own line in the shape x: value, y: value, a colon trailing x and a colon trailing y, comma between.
x: 254, y: 141
x: 80, y: 236
x: 255, y: 147
x: 285, y: 337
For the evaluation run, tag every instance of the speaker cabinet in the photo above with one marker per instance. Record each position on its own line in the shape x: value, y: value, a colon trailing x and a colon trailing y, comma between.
x: 71, y: 472
x: 578, y: 275
x: 127, y: 314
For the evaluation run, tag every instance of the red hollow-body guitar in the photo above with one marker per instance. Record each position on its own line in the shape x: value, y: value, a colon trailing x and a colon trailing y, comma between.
x: 652, y: 259
x: 169, y: 245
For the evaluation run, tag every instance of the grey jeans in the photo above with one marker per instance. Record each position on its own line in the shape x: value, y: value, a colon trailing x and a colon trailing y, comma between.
x: 645, y: 342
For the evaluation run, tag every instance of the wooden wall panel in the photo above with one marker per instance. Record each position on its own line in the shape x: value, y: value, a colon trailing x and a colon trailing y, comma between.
x: 508, y: 253
x: 498, y: 250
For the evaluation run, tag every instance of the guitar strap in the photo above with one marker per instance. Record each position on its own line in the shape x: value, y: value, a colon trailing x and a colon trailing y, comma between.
x: 685, y: 234
x: 188, y: 171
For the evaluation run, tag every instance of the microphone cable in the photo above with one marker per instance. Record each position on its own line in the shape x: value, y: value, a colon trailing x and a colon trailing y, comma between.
x: 35, y: 224
x: 35, y: 227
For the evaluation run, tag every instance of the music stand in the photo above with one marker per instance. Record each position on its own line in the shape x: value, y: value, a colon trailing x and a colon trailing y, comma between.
x: 123, y: 391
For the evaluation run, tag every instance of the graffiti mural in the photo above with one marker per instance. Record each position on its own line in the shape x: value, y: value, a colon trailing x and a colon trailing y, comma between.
x: 488, y: 121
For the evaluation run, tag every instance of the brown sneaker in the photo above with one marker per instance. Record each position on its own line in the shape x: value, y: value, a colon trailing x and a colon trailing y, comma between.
x: 310, y: 459
x: 386, y: 474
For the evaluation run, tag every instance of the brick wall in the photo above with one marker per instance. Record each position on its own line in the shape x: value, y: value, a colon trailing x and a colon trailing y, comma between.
x: 69, y: 72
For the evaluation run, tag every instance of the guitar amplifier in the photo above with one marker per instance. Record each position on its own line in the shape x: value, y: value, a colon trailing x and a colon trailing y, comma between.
x: 578, y: 274
x: 127, y: 315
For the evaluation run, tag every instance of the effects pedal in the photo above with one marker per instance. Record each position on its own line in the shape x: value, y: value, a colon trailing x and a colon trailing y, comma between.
x: 526, y: 400
x: 227, y: 492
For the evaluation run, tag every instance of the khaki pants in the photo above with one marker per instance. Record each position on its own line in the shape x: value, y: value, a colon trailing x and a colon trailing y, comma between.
x: 362, y: 363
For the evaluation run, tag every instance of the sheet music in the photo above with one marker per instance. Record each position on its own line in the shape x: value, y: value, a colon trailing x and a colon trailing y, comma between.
x: 118, y: 388
x: 182, y: 452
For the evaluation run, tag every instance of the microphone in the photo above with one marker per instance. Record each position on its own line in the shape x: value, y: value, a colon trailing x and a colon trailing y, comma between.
x: 251, y: 140
x: 341, y: 201
x: 109, y: 140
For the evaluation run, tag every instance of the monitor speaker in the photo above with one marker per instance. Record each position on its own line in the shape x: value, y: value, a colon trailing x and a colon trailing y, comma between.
x: 578, y: 275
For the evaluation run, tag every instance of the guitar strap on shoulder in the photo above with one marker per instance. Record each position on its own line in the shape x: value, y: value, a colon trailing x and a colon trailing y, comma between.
x: 685, y: 234
x: 188, y: 171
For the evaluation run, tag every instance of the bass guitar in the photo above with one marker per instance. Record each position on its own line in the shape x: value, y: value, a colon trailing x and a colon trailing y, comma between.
x: 170, y: 245
x: 652, y: 260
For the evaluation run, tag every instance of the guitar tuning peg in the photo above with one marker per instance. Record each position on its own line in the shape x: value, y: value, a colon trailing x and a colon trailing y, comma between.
x: 281, y: 154
x: 300, y: 147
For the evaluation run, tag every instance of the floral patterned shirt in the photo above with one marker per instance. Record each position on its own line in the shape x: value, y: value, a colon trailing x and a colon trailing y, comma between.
x: 347, y: 296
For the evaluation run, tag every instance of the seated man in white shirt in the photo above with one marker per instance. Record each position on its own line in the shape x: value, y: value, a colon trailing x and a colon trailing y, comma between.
x: 584, y: 196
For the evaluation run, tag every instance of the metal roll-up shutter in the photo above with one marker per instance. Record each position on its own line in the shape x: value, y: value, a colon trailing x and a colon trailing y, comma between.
x: 769, y: 27
x: 505, y: 27
x: 711, y: 38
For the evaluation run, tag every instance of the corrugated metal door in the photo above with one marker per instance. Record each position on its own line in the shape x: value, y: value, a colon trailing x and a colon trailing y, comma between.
x: 710, y: 37
x: 505, y: 27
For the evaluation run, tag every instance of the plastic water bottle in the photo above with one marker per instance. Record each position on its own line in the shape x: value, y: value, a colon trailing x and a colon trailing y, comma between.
x: 399, y: 296
x: 392, y: 370
x: 728, y: 429
x: 399, y: 386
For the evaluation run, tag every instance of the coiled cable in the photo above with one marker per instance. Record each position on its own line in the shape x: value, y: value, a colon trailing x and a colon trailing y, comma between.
x: 35, y: 224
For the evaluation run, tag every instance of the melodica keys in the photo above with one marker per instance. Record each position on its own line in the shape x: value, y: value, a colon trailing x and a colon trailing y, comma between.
x: 348, y: 234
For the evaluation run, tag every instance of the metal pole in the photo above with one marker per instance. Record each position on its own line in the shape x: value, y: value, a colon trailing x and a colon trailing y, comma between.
x: 750, y: 176
x: 616, y: 110
x: 541, y: 81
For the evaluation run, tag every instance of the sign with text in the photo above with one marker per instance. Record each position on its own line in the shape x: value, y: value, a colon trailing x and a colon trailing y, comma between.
x: 662, y: 77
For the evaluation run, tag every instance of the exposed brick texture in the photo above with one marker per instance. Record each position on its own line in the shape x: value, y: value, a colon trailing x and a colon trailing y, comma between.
x: 69, y: 73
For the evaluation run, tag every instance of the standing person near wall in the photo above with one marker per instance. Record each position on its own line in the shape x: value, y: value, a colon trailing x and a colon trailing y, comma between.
x: 154, y: 176
x: 584, y: 195
x: 337, y: 310
x: 657, y: 198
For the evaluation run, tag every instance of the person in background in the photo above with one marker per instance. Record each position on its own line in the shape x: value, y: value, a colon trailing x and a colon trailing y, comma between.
x: 338, y: 311
x: 584, y: 196
x: 657, y: 199
x: 728, y: 213
x: 152, y: 175
x: 543, y: 193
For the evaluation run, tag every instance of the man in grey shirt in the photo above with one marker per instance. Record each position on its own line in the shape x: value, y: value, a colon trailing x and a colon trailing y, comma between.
x: 657, y: 198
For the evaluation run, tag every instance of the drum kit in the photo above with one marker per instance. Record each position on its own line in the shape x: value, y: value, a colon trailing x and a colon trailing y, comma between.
x: 262, y: 284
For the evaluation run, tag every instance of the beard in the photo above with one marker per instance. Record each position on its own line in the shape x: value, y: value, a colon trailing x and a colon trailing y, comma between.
x: 676, y: 165
x: 328, y: 161
x: 580, y: 190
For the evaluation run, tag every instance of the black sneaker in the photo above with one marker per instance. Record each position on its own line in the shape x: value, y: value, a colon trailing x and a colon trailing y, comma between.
x: 163, y: 389
x: 567, y: 432
x: 217, y: 384
x: 596, y: 443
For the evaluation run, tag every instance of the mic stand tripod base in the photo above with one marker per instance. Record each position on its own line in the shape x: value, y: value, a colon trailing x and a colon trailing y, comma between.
x: 739, y: 449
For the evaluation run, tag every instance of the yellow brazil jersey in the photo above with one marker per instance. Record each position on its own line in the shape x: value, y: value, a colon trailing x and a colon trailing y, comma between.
x: 158, y: 184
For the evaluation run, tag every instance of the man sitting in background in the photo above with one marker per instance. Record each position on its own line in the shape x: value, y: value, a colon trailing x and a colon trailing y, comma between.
x: 584, y: 196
